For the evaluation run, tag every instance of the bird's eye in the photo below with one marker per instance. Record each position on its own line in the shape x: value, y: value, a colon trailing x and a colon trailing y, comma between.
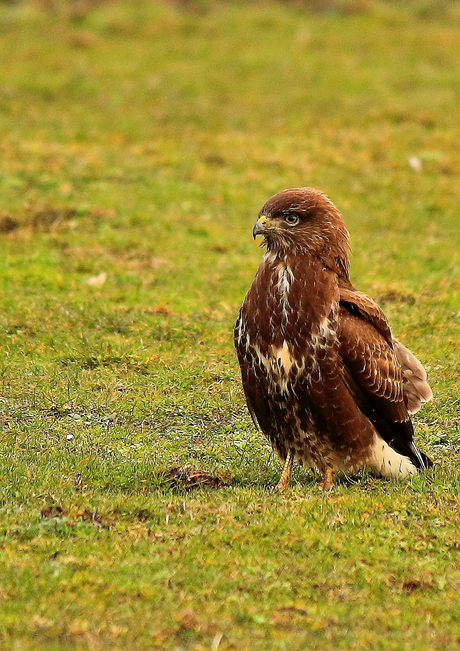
x: 291, y: 219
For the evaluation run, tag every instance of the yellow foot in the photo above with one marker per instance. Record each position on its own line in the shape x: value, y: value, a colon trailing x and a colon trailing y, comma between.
x: 328, y: 480
x: 285, y: 478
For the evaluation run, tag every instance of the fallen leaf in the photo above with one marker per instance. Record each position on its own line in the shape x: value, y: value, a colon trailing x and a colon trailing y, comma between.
x: 97, y: 281
x: 53, y: 511
x: 191, y: 477
x: 8, y: 224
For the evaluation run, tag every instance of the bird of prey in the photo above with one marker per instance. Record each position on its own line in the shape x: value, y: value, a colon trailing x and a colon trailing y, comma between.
x: 323, y: 376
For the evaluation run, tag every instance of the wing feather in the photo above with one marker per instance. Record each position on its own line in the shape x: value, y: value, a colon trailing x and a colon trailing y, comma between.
x: 416, y: 389
x: 374, y: 376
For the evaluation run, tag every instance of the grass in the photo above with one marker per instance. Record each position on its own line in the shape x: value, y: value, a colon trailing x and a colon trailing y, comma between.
x: 138, y: 142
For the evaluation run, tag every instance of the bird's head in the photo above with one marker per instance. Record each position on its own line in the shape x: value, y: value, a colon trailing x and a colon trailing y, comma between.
x: 304, y: 220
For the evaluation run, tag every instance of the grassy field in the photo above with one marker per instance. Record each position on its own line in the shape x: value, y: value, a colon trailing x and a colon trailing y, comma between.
x: 138, y: 142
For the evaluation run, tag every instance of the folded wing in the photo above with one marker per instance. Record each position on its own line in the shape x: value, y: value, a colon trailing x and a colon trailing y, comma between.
x: 386, y: 380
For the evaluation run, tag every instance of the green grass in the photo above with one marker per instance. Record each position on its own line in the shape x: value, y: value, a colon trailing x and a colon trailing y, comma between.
x: 139, y: 140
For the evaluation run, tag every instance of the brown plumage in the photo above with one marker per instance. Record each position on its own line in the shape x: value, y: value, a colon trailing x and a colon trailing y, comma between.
x: 323, y: 377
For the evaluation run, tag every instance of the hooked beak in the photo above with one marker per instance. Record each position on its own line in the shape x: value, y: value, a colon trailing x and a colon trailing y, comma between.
x: 259, y: 227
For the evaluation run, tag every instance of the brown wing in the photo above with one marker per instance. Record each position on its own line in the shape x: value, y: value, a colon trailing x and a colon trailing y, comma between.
x: 359, y: 302
x: 416, y: 389
x: 371, y: 364
x: 374, y: 375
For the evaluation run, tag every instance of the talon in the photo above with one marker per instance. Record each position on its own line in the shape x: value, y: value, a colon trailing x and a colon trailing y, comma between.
x: 285, y: 478
x: 328, y: 480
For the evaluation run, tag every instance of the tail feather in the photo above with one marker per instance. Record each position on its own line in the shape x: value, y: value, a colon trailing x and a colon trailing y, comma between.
x: 391, y: 463
x: 426, y: 461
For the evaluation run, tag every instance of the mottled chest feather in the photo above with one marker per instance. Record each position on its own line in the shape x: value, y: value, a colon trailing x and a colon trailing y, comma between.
x: 291, y: 306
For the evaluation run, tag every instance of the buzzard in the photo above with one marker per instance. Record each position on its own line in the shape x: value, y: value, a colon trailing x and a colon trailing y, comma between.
x: 323, y: 376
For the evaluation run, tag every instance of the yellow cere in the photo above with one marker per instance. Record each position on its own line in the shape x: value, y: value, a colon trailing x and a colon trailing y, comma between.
x: 262, y: 219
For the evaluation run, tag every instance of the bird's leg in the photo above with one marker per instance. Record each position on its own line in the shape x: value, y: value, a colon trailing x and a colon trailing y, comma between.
x: 285, y: 478
x: 328, y: 480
